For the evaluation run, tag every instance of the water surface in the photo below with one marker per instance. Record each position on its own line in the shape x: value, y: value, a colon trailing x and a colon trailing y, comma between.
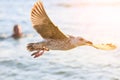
x: 95, y: 21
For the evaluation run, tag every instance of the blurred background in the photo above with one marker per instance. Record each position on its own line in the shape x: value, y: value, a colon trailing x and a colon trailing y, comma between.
x: 95, y: 20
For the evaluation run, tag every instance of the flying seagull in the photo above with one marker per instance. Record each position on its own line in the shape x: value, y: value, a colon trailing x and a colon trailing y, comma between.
x: 54, y: 39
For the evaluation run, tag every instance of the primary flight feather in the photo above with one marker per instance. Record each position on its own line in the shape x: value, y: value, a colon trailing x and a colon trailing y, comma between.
x: 43, y: 24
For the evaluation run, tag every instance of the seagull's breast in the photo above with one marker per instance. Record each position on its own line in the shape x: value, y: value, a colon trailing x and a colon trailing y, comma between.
x: 59, y: 44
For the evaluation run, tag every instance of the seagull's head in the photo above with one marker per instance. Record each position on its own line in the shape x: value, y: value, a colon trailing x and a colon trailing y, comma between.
x: 81, y: 41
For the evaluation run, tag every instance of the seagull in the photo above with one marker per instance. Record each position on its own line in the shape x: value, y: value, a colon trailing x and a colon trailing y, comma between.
x: 54, y: 38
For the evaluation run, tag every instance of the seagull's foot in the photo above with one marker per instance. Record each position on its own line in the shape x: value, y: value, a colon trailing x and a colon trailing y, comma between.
x: 37, y: 54
x: 40, y: 52
x: 40, y: 49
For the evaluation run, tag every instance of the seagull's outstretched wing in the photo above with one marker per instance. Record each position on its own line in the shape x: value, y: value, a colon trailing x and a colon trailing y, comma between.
x: 43, y: 24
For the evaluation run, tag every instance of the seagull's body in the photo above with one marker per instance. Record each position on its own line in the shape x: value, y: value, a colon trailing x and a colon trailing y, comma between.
x: 54, y: 39
x: 64, y: 44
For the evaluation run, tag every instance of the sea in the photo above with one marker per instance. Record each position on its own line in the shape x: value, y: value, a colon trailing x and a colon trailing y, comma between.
x: 94, y: 20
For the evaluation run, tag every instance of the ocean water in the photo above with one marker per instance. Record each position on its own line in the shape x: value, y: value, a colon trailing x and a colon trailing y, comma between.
x: 97, y: 21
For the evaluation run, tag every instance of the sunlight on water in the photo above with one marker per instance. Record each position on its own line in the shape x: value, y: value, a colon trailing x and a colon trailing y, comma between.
x: 95, y: 20
x: 98, y: 19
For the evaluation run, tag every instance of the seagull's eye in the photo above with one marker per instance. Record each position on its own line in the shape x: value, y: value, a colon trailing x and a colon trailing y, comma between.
x: 81, y: 39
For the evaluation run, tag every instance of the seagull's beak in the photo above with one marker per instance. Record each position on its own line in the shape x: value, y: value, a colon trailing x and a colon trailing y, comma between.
x: 85, y: 42
x: 89, y: 43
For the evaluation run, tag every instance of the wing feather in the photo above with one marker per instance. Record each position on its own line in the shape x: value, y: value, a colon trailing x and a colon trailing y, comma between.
x: 43, y: 24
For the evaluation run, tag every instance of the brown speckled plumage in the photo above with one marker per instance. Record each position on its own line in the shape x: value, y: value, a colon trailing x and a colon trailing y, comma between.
x: 54, y: 38
x: 43, y: 24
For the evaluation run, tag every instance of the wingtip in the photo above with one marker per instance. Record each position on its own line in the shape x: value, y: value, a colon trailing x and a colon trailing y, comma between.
x: 38, y: 1
x: 36, y: 12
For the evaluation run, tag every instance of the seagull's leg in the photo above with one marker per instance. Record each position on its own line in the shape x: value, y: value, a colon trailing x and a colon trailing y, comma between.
x: 40, y: 52
x: 40, y: 48
x: 37, y: 54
